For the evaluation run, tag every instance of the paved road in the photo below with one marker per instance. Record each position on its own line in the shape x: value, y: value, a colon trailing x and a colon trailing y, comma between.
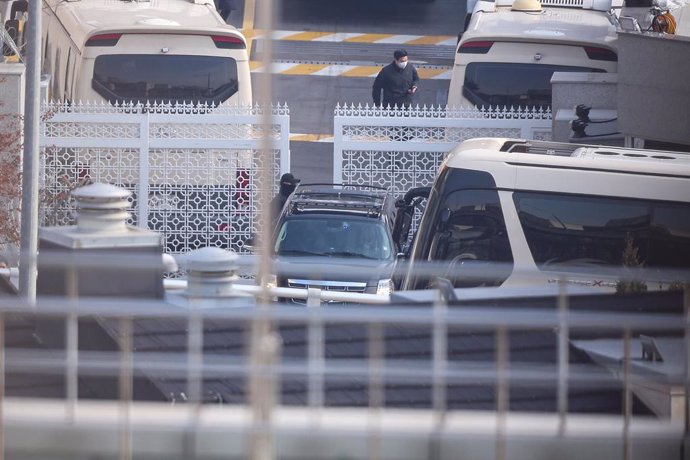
x: 327, y: 52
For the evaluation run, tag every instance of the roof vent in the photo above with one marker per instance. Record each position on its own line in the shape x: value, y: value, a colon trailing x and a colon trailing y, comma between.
x: 101, y: 208
x: 563, y: 3
x: 211, y: 273
x: 526, y: 5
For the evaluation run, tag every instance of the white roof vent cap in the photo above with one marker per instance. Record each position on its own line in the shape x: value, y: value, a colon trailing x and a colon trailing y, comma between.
x: 526, y: 5
x: 102, y: 208
x: 211, y: 272
x: 597, y: 5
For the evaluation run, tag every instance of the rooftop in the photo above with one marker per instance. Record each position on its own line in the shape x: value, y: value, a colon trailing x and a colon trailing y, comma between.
x: 552, y: 24
x: 86, y: 17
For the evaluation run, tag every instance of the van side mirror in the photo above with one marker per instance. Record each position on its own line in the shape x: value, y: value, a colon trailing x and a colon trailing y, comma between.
x: 403, y: 221
x: 251, y: 244
x: 405, y: 214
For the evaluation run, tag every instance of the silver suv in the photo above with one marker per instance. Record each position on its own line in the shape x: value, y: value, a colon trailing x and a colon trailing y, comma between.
x: 336, y: 237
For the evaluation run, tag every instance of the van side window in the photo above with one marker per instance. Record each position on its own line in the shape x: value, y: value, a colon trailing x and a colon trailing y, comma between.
x: 471, y: 228
x: 586, y: 230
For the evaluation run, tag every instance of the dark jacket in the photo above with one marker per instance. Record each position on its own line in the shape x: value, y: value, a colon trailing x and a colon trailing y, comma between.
x: 395, y: 83
x: 279, y: 201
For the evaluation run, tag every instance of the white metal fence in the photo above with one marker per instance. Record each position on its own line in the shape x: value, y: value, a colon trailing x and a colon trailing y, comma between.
x: 402, y: 148
x: 198, y: 167
x: 393, y: 382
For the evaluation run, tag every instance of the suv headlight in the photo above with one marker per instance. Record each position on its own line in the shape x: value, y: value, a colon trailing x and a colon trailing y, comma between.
x: 385, y: 287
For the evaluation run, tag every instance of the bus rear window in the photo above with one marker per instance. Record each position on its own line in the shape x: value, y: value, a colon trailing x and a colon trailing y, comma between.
x: 512, y: 84
x: 171, y: 78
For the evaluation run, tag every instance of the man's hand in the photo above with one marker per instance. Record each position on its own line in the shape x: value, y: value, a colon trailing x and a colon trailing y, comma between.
x: 412, y: 90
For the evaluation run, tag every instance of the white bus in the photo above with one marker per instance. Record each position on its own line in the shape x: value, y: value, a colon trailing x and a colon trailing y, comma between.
x: 509, y: 50
x: 143, y: 51
x: 539, y: 209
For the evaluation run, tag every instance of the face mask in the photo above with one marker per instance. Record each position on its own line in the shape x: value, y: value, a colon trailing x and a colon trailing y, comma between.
x: 402, y: 65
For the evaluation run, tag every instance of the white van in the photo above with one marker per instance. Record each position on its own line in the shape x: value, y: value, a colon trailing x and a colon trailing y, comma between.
x: 510, y: 50
x: 143, y: 51
x: 537, y: 209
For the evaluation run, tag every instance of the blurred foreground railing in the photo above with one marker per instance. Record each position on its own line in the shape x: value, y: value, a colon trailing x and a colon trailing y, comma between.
x: 127, y: 378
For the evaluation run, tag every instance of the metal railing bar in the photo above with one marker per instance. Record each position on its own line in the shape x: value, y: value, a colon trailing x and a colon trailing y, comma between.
x: 126, y: 386
x: 502, y: 391
x: 2, y: 385
x: 416, y: 423
x: 316, y: 354
x: 627, y: 397
x: 685, y: 447
x: 469, y: 317
x: 93, y: 363
x: 439, y: 373
x: 664, y: 275
x: 376, y: 382
x: 71, y: 368
x: 563, y: 358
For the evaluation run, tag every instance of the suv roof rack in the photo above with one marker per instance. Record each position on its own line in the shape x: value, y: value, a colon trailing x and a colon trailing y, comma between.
x: 319, y: 185
x: 322, y: 197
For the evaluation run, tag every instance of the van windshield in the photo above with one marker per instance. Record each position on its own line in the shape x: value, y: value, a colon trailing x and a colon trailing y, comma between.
x: 512, y: 84
x: 334, y: 236
x: 151, y: 78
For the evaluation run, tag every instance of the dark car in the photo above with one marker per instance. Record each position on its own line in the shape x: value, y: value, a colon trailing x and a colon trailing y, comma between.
x: 338, y: 238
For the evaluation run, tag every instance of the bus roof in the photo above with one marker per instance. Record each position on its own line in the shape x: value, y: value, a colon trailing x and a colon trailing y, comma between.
x: 551, y: 25
x: 577, y: 168
x: 84, y: 18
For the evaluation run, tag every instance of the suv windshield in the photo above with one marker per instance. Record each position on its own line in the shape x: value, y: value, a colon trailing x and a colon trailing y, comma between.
x: 335, y: 236
x: 512, y: 84
x: 151, y: 78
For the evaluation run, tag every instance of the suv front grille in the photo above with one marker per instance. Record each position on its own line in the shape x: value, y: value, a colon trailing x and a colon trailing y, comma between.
x: 338, y: 286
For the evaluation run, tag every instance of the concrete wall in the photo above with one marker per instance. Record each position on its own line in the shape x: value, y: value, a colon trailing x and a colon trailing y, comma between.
x: 597, y: 90
x: 12, y: 88
x: 653, y: 87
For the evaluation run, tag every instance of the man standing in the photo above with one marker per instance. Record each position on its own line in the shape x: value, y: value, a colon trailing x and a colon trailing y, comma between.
x: 398, y: 80
x: 288, y: 183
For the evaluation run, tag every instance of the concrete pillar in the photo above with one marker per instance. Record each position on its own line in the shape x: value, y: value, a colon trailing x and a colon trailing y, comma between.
x: 101, y: 255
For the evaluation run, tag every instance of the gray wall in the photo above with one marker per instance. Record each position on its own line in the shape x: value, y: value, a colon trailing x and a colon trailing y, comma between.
x: 11, y: 88
x: 597, y: 90
x: 654, y: 87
